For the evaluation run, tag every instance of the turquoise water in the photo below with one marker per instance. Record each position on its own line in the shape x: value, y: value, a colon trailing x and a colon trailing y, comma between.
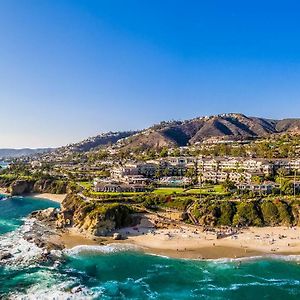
x: 108, y: 272
x: 13, y: 210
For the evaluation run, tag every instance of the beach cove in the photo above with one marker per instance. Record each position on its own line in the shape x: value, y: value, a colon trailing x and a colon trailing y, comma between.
x: 108, y: 269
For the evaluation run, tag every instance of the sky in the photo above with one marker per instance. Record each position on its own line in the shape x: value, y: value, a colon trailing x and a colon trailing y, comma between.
x: 70, y: 69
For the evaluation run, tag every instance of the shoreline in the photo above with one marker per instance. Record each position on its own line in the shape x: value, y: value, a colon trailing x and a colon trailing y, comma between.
x: 48, y: 196
x: 201, y: 254
x: 3, y: 191
x: 188, y: 242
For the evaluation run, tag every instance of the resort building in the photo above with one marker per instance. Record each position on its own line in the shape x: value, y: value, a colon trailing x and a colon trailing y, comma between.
x: 119, y: 188
x: 265, y: 188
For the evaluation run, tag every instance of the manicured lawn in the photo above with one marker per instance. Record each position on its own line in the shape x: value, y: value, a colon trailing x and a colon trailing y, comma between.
x: 168, y: 191
x: 86, y: 184
x: 213, y: 189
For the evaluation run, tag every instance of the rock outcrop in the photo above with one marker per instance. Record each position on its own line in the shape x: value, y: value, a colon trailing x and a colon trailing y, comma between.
x: 50, y: 186
x: 20, y: 187
x: 93, y: 217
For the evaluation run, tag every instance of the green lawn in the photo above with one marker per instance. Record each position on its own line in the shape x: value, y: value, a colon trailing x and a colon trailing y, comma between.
x: 168, y: 191
x: 206, y: 190
x: 213, y: 189
x: 86, y: 184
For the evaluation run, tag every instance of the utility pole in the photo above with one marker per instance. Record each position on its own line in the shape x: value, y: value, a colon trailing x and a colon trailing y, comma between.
x: 295, y: 185
x: 280, y: 178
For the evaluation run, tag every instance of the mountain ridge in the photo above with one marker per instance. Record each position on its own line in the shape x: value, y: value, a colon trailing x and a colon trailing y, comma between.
x: 227, y: 126
x: 233, y: 126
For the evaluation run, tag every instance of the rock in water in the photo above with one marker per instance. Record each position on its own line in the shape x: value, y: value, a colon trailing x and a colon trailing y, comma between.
x: 5, y: 256
x: 117, y: 236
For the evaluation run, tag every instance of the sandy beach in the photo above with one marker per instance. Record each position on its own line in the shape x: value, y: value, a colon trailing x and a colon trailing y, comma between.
x: 54, y: 197
x: 184, y: 241
x: 3, y: 191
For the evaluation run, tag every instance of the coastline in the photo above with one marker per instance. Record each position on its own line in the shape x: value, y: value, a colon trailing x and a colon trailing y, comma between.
x: 48, y: 196
x: 189, y: 242
x: 3, y: 191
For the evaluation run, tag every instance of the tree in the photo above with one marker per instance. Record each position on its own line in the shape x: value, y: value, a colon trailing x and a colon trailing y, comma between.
x: 284, y: 213
x: 176, y: 152
x: 257, y: 179
x: 286, y: 186
x: 281, y: 172
x: 164, y: 152
x: 191, y: 173
x: 227, y: 210
x: 247, y: 215
x: 228, y: 186
x: 270, y: 213
x: 158, y: 173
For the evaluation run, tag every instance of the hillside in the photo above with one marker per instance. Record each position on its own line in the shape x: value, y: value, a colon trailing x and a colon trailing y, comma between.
x: 225, y: 126
x: 15, y: 153
x: 230, y: 126
x: 104, y: 139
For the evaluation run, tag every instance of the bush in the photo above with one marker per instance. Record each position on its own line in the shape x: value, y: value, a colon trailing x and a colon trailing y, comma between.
x: 270, y: 213
x: 227, y: 211
x: 285, y: 215
x: 247, y: 215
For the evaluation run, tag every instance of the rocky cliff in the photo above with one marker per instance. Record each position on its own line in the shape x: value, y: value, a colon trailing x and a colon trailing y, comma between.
x: 18, y: 187
x: 94, y: 218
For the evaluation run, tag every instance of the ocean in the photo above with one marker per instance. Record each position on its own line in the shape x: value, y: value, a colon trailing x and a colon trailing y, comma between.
x: 120, y: 272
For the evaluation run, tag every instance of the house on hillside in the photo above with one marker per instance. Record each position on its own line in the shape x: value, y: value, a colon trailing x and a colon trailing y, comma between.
x: 264, y: 188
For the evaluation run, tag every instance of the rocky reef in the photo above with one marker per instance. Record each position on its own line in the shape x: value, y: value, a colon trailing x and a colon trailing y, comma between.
x: 33, y: 242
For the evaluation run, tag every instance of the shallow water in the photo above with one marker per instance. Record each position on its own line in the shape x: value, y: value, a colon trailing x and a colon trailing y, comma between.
x: 119, y: 272
x: 13, y: 210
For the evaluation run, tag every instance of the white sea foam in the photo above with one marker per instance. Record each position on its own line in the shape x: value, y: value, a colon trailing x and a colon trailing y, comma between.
x: 225, y: 260
x: 57, y: 292
x: 22, y: 251
x: 292, y: 258
x: 109, y: 248
x: 54, y: 286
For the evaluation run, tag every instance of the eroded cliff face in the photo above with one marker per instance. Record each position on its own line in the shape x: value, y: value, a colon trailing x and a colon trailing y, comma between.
x: 95, y: 218
x: 19, y: 187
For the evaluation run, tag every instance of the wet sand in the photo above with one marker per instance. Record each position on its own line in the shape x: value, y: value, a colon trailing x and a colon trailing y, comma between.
x: 184, y: 241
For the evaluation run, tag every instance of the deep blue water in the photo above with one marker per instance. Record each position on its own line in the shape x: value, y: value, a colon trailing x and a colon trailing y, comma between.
x: 108, y: 273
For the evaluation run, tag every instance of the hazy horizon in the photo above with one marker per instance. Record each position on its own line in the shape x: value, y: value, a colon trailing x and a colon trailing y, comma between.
x: 121, y: 129
x: 74, y: 69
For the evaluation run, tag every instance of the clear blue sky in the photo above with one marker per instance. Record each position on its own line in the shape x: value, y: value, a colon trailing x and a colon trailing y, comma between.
x: 70, y: 69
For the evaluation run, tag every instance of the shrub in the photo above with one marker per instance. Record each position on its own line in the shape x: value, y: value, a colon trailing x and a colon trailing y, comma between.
x: 247, y: 215
x: 270, y: 213
x: 285, y: 216
x: 227, y: 211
